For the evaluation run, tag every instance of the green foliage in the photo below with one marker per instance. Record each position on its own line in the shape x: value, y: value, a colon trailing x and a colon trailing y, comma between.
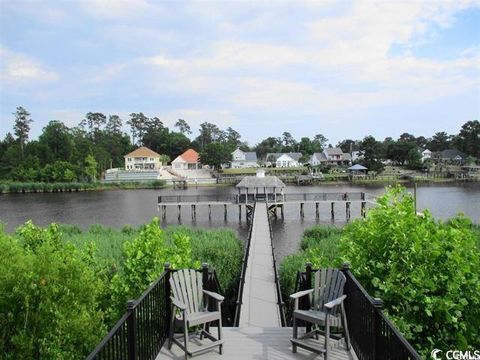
x: 319, y: 245
x: 426, y: 271
x: 90, y: 167
x: 49, y: 307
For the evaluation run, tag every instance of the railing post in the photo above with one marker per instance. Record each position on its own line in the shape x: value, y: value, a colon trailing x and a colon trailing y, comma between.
x: 205, y: 276
x: 377, y: 327
x: 167, y: 296
x: 131, y: 331
x: 308, y: 285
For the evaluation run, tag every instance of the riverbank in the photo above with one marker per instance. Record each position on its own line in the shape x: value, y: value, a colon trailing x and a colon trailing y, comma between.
x: 41, y: 187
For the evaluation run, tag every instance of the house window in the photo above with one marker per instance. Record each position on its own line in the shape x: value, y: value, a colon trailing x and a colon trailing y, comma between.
x: 129, y: 159
x: 151, y: 159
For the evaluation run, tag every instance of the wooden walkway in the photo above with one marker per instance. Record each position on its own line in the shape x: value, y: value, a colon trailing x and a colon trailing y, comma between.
x: 258, y: 344
x: 259, y: 302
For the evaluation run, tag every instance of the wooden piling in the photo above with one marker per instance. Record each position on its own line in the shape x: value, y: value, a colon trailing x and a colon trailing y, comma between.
x: 225, y: 212
x: 347, y: 210
x: 179, y: 212
x: 281, y: 210
x: 239, y: 213
x: 209, y: 212
x: 333, y: 211
x: 301, y: 210
x: 317, y: 210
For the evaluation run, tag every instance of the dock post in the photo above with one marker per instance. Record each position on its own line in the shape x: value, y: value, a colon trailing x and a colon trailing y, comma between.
x: 301, y: 210
x: 209, y: 212
x: 363, y: 209
x: 281, y: 210
x: 179, y: 212
x: 317, y: 212
x: 239, y: 213
x: 347, y: 210
x: 191, y: 208
x: 225, y: 211
x: 333, y: 211
x: 164, y: 211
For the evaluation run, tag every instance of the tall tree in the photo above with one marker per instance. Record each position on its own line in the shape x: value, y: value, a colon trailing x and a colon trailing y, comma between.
x: 209, y: 133
x: 114, y: 124
x: 233, y: 137
x: 468, y: 139
x: 216, y: 154
x: 319, y: 142
x: 183, y: 127
x: 55, y: 142
x: 22, y: 126
x: 370, y: 149
x: 138, y: 124
x: 440, y: 141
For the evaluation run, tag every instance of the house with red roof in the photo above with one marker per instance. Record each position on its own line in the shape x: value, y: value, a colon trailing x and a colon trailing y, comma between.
x: 189, y: 160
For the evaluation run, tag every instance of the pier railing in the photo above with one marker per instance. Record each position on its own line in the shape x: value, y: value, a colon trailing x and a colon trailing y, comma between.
x: 372, y: 334
x: 243, y: 271
x: 142, y: 330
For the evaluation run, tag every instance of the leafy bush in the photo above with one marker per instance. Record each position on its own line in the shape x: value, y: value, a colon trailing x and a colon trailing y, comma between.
x: 426, y: 271
x: 49, y: 305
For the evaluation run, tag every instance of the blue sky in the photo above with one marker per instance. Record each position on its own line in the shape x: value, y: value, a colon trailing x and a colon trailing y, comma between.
x: 343, y: 69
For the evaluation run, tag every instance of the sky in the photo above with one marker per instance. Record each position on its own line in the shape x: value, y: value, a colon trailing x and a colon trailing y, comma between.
x: 344, y: 69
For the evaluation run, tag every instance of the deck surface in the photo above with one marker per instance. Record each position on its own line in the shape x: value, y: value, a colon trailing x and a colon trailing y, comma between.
x: 257, y: 343
x: 259, y: 302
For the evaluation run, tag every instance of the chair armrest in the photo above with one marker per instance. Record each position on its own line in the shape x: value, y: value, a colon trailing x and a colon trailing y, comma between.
x: 214, y: 295
x: 330, y: 305
x: 178, y: 304
x: 299, y: 294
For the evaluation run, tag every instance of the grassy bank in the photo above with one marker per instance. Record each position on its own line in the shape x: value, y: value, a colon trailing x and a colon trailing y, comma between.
x: 39, y: 187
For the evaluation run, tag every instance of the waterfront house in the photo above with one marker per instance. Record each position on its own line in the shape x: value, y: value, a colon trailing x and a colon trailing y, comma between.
x: 243, y: 159
x: 330, y: 156
x: 426, y: 154
x: 142, y: 158
x: 189, y: 160
x: 284, y: 160
x: 450, y: 155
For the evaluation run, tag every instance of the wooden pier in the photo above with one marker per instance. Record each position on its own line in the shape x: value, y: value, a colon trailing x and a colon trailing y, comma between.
x: 259, y: 302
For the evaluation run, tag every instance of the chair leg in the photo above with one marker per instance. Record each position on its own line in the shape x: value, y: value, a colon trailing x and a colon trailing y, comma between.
x: 327, y: 334
x: 345, y: 328
x: 172, y: 328
x: 295, y: 334
x: 185, y: 336
x: 220, y: 334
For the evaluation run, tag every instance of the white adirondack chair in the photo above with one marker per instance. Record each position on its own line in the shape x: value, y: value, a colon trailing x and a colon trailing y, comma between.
x: 327, y: 309
x: 188, y: 298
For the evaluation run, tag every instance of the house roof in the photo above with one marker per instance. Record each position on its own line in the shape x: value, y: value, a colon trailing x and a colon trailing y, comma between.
x: 334, y: 151
x: 451, y: 154
x: 190, y: 157
x: 260, y: 182
x: 294, y: 155
x: 142, y: 151
x: 320, y: 156
x: 251, y: 156
x: 357, y: 167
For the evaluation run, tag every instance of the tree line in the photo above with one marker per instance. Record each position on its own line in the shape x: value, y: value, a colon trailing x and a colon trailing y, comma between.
x: 98, y: 142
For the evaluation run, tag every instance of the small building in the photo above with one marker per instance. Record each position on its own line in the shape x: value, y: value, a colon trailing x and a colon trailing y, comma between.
x: 357, y: 169
x: 330, y: 156
x: 243, y: 159
x: 189, y: 160
x: 260, y: 188
x: 426, y: 154
x: 142, y: 159
x: 284, y: 160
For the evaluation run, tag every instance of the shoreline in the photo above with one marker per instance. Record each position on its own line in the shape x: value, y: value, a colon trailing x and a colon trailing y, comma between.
x: 32, y: 188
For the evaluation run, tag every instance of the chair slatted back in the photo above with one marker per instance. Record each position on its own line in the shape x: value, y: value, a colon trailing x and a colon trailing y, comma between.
x: 328, y: 286
x: 187, y: 287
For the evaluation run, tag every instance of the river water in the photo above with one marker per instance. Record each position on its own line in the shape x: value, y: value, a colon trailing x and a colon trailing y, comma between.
x: 115, y: 208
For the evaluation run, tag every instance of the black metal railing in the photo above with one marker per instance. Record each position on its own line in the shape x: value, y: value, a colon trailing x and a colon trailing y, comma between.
x: 243, y: 271
x: 280, y: 302
x: 372, y: 334
x: 143, y: 329
x: 325, y: 196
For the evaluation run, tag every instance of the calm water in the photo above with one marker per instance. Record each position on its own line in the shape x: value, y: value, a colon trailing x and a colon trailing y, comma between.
x: 116, y: 208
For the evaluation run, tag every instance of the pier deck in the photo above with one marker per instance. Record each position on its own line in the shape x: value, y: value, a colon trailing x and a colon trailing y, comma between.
x: 259, y: 302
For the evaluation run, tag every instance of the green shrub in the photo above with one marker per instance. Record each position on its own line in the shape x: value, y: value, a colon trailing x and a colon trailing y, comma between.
x: 49, y: 306
x: 426, y: 271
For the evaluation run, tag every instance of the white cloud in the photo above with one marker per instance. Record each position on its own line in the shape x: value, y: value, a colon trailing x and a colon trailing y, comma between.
x: 17, y: 68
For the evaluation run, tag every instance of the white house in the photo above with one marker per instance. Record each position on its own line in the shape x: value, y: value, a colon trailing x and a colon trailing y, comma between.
x: 426, y: 154
x: 189, y: 160
x: 243, y: 159
x: 330, y: 156
x: 283, y: 160
x: 142, y: 159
